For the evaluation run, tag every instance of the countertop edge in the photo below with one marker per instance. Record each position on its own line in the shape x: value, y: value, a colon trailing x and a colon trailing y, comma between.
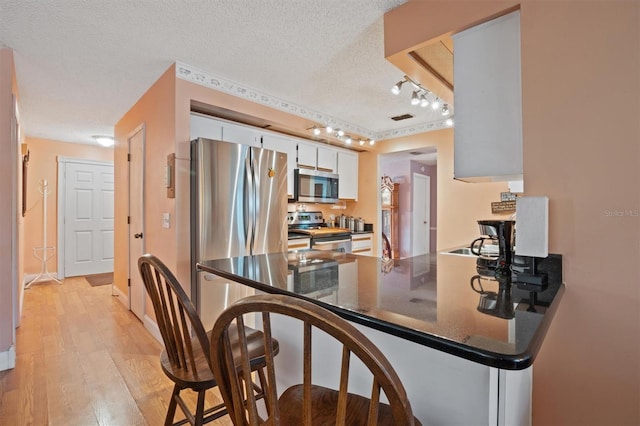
x: 518, y: 361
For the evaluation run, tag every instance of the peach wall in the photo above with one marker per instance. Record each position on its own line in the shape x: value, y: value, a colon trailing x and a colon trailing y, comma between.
x: 460, y: 204
x: 155, y: 111
x: 586, y: 160
x: 43, y: 164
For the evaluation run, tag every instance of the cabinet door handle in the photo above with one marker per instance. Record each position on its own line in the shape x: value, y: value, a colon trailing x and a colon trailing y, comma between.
x: 138, y: 235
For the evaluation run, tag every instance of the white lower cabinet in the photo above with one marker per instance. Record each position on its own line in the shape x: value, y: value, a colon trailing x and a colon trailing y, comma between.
x: 362, y: 244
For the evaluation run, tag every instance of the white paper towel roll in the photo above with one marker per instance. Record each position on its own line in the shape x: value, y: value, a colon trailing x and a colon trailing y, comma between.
x: 532, y: 226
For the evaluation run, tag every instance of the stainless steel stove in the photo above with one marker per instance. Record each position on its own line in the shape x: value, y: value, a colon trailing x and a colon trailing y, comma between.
x: 323, y: 237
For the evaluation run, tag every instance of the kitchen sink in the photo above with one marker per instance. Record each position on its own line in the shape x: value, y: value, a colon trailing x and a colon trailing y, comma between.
x: 462, y: 251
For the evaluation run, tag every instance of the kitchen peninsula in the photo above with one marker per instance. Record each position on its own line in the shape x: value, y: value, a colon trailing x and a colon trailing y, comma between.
x: 462, y: 343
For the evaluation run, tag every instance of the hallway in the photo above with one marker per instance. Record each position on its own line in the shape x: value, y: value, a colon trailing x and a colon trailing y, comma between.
x: 83, y: 359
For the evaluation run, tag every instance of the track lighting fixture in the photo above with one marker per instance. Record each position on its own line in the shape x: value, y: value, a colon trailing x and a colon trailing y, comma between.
x: 338, y: 134
x: 420, y: 95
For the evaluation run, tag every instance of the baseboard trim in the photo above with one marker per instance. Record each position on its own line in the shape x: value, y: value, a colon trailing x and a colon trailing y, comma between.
x: 123, y: 298
x: 8, y: 359
x: 152, y: 327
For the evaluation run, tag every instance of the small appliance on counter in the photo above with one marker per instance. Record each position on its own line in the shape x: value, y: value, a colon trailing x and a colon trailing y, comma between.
x: 351, y: 223
x: 495, y: 248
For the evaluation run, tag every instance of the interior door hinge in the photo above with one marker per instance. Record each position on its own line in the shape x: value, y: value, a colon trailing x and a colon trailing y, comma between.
x: 128, y: 282
x: 128, y: 220
x: 128, y: 157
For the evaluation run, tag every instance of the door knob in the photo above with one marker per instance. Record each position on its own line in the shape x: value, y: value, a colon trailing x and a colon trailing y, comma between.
x: 139, y: 235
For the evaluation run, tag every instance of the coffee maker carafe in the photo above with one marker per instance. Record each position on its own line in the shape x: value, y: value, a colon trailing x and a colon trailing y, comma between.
x: 494, y: 233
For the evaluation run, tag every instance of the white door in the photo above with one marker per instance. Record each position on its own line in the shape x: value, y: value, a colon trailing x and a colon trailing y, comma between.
x: 136, y: 220
x: 87, y: 204
x: 421, y: 208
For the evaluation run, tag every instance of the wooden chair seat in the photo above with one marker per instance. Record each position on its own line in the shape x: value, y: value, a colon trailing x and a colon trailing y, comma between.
x: 324, y: 408
x: 202, y: 376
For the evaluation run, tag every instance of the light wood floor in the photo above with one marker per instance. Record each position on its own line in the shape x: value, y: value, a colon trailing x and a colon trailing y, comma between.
x: 83, y: 359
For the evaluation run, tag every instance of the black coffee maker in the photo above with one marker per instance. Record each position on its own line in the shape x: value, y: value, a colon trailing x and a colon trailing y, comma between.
x: 494, y: 233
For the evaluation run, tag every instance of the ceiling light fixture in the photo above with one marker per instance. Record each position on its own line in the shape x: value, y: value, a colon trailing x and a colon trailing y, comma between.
x: 414, y: 98
x: 396, y: 88
x: 424, y: 102
x: 420, y: 95
x: 449, y: 121
x: 338, y: 134
x: 105, y: 141
x: 445, y: 110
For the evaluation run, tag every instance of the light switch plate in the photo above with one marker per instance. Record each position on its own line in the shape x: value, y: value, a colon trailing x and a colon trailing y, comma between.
x: 166, y: 220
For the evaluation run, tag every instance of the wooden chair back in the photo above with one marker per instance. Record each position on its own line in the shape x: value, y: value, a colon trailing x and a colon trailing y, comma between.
x: 310, y: 411
x: 176, y: 315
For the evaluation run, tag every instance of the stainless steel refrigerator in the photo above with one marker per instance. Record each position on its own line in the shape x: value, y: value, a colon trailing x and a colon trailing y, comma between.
x: 238, y: 208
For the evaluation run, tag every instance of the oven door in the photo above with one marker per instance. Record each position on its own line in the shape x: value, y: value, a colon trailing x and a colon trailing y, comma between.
x: 335, y: 243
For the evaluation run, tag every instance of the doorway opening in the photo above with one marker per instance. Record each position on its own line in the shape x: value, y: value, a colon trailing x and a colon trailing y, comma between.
x: 416, y: 172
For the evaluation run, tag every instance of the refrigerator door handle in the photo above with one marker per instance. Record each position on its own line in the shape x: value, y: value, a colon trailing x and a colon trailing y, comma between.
x: 248, y: 209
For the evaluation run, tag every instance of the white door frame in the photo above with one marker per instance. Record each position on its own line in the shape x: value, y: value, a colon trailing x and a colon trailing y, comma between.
x: 415, y: 226
x: 62, y: 183
x: 136, y: 306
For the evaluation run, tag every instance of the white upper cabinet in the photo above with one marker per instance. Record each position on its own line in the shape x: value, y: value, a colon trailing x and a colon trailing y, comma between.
x: 237, y: 133
x: 327, y: 159
x: 205, y: 127
x: 348, y: 171
x: 307, y: 155
x: 288, y: 146
x: 488, y: 101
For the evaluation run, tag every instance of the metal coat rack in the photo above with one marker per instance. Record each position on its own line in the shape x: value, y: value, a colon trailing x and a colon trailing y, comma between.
x: 44, y: 253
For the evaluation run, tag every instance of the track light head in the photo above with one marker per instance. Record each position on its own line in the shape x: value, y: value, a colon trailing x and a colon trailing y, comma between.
x: 414, y: 98
x: 445, y: 110
x: 424, y: 102
x: 396, y: 88
x: 449, y: 121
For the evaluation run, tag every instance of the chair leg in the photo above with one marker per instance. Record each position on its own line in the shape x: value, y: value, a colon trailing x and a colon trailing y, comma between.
x: 171, y: 412
x: 200, y: 409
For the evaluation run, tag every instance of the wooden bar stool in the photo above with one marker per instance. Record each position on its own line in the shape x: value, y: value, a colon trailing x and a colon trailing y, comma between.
x: 186, y: 359
x: 305, y: 403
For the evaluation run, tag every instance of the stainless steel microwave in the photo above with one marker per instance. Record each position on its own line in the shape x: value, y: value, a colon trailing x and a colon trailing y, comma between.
x: 312, y: 186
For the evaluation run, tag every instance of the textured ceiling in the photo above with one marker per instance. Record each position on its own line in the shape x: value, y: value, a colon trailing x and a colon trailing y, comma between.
x: 81, y: 64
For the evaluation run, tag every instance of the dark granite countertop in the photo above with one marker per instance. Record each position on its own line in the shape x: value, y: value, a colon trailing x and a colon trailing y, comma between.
x: 436, y: 300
